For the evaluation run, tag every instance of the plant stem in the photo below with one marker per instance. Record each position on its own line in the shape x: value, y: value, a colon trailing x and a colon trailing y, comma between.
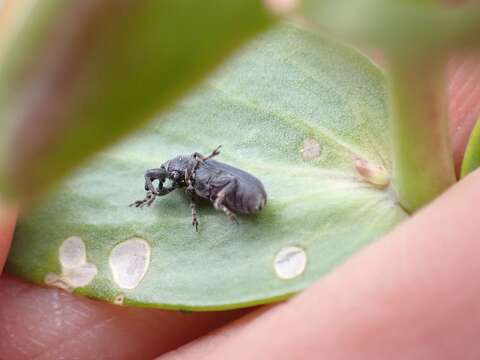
x: 423, y: 162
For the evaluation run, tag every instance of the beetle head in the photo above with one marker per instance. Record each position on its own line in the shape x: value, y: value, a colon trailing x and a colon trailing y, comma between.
x: 161, y: 175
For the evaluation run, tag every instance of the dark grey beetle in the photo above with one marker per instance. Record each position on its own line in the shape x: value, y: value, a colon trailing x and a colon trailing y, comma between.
x: 229, y: 189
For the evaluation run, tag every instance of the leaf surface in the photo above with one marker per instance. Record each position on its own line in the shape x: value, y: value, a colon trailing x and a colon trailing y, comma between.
x: 305, y: 115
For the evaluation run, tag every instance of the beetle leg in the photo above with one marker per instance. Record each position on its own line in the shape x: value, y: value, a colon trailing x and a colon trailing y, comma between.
x: 219, y: 200
x: 151, y: 196
x: 227, y: 212
x: 194, y: 215
x: 190, y: 191
x: 199, y: 157
x: 214, y: 153
x: 149, y: 199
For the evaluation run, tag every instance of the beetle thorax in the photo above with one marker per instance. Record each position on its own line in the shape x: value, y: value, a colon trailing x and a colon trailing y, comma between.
x: 178, y: 164
x: 177, y: 167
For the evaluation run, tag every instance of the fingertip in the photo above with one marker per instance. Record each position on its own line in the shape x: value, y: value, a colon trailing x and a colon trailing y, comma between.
x: 397, y: 299
x: 45, y: 323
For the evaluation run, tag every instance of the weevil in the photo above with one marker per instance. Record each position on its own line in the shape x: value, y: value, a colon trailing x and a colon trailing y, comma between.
x: 229, y: 189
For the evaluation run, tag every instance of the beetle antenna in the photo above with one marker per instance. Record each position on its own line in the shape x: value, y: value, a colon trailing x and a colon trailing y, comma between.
x: 214, y: 153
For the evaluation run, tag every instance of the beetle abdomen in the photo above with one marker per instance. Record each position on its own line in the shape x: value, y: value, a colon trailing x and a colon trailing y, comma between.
x: 253, y: 202
x: 248, y: 197
x: 245, y: 194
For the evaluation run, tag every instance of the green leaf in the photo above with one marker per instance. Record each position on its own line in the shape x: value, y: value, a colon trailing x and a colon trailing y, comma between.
x: 471, y: 160
x: 289, y: 91
x: 79, y: 75
x: 404, y: 26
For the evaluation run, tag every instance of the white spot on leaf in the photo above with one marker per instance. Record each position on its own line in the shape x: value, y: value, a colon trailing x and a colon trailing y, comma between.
x: 129, y: 262
x: 311, y: 149
x: 375, y: 174
x: 52, y: 279
x: 290, y: 262
x: 72, y: 252
x: 76, y: 271
x: 119, y: 299
x: 80, y: 276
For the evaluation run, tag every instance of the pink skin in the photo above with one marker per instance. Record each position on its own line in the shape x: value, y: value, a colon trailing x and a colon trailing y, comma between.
x: 464, y: 110
x: 8, y: 217
x: 44, y: 323
x: 413, y: 295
